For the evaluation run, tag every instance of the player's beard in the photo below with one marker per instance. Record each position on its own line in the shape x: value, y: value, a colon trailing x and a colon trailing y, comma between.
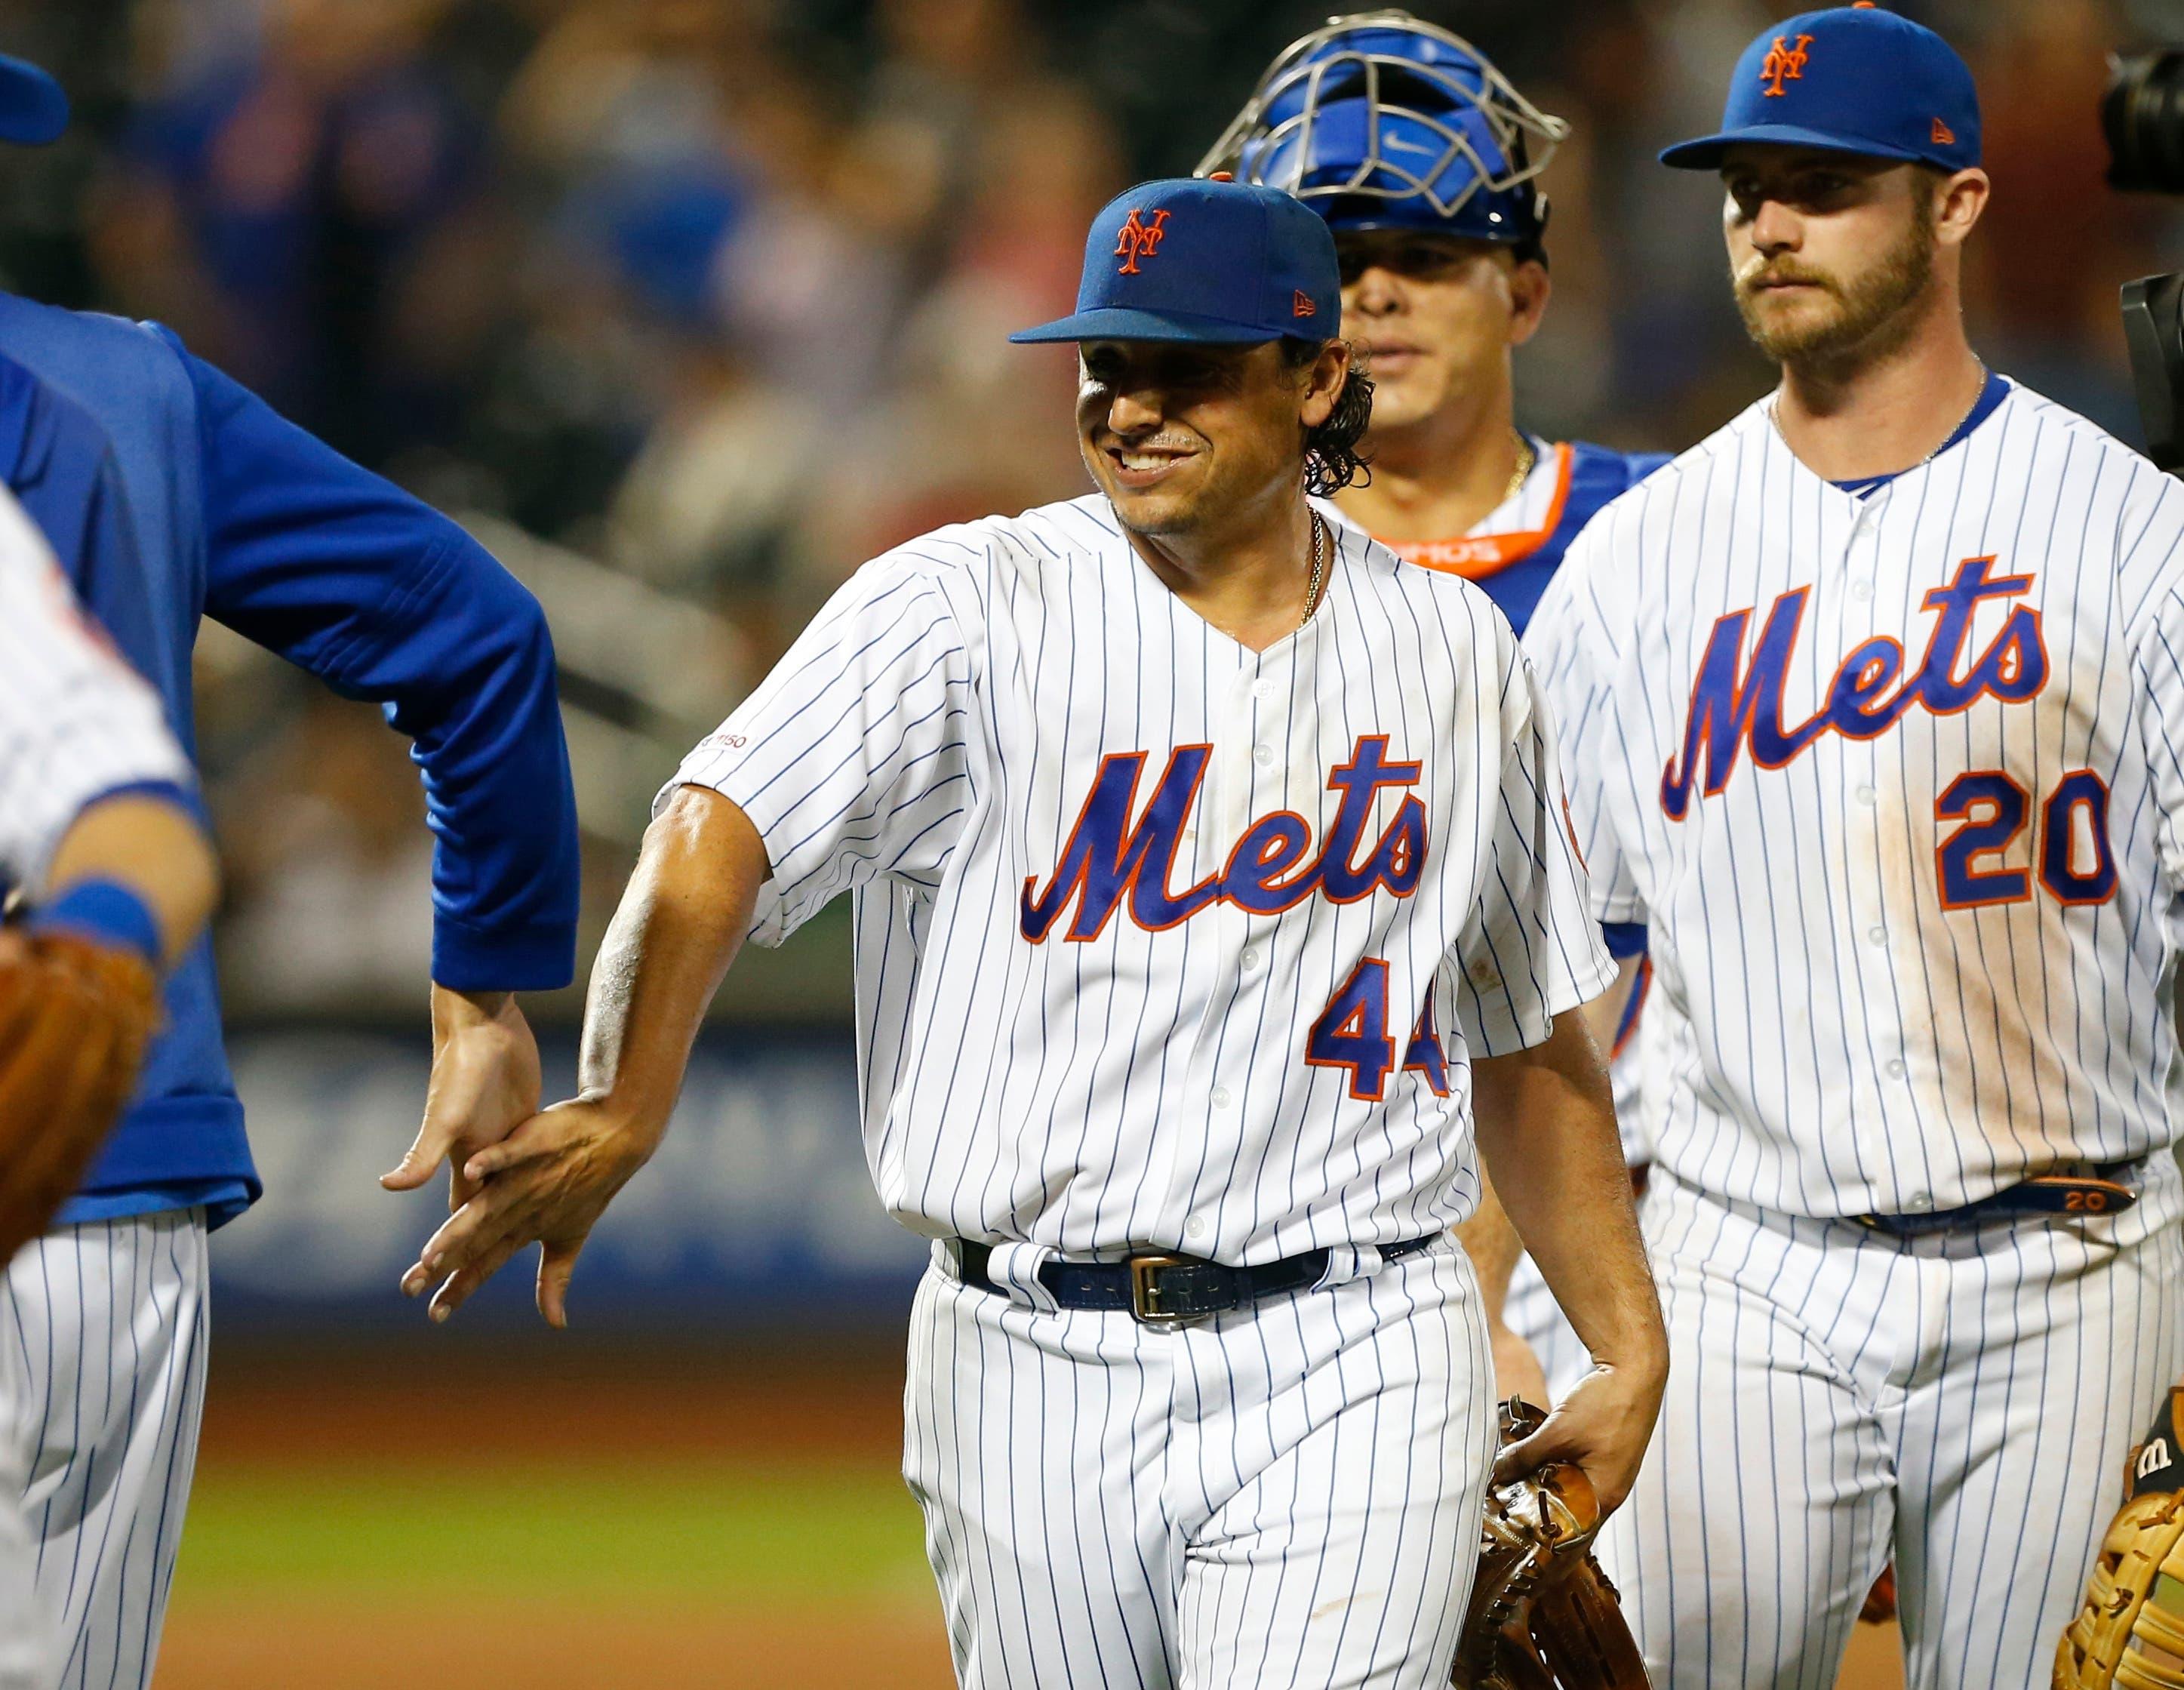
x: 1871, y: 315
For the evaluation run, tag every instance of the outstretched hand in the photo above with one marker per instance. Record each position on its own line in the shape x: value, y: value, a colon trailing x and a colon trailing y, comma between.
x: 546, y: 1183
x: 485, y: 1084
x: 1603, y: 1426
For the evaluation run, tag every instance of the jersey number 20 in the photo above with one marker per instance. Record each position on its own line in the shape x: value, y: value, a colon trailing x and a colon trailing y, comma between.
x: 1992, y: 808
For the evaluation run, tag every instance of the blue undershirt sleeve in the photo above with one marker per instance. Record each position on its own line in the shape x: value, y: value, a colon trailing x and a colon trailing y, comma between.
x: 383, y: 598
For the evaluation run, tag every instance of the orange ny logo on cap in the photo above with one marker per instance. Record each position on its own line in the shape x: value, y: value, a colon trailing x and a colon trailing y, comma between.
x: 1784, y: 61
x: 1139, y: 240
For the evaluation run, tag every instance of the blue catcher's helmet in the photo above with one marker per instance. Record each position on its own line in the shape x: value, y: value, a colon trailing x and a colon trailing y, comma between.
x: 1379, y: 121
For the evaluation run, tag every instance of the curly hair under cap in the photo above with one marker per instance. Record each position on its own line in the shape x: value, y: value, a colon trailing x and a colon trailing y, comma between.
x: 1332, y: 460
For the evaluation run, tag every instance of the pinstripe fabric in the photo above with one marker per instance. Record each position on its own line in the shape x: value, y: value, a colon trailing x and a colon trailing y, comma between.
x: 1895, y: 784
x: 108, y: 1325
x: 1359, y: 831
x: 29, y: 1655
x: 1964, y: 1401
x: 1285, y: 1497
x: 74, y: 721
x: 1835, y: 1038
x: 934, y: 739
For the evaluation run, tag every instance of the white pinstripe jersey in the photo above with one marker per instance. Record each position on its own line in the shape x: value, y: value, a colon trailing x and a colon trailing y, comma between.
x: 75, y: 721
x: 1161, y: 941
x: 1897, y: 785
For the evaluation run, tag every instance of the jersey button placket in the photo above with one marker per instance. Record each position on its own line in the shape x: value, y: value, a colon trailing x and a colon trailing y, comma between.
x: 1226, y: 805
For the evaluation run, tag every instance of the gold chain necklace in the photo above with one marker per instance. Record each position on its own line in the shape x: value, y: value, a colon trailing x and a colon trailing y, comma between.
x: 1526, y: 459
x: 1318, y: 569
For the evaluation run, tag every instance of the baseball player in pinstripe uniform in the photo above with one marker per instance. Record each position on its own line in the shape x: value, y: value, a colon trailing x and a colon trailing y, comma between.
x: 1211, y: 879
x: 1880, y: 690
x: 98, y: 830
x: 171, y: 493
x: 1423, y: 158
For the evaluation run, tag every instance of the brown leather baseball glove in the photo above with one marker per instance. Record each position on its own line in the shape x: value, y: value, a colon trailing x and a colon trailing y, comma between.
x: 75, y: 1017
x: 2130, y: 1631
x: 1543, y: 1616
x: 1879, y: 1606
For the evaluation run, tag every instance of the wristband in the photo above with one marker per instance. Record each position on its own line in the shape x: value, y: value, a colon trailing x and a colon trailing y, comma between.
x: 105, y: 912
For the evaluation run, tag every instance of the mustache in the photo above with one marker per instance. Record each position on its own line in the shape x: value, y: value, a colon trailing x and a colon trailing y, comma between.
x: 1759, y: 272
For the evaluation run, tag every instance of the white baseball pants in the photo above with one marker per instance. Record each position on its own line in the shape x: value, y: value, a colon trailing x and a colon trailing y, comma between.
x: 106, y: 1324
x: 1285, y: 1496
x: 1964, y: 1400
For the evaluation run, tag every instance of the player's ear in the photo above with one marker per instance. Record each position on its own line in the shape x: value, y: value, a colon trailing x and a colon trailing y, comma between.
x: 1323, y: 378
x: 1958, y: 199
x: 1530, y: 285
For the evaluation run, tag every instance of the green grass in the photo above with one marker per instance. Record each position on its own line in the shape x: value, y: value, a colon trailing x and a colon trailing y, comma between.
x: 723, y: 1531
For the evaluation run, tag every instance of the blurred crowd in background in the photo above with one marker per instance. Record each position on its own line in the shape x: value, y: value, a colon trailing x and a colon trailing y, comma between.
x: 688, y: 307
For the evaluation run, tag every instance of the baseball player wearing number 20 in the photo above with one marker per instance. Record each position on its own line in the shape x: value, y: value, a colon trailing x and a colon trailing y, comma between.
x: 1211, y: 879
x: 1880, y: 690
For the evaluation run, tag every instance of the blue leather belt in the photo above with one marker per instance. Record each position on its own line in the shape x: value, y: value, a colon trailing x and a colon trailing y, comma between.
x: 1167, y: 1291
x: 2098, y: 1188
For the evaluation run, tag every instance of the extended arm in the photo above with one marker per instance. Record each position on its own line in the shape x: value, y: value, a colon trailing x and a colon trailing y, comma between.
x: 348, y: 576
x: 1547, y: 1132
x: 127, y: 890
x: 681, y: 922
x: 149, y: 844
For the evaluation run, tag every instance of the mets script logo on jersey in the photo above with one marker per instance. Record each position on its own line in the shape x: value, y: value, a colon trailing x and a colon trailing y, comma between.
x: 1733, y: 707
x: 1138, y: 239
x: 1784, y: 62
x: 1108, y: 861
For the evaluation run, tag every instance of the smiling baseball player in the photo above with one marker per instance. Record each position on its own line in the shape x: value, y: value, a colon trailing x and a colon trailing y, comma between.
x: 1880, y: 690
x: 1209, y: 865
x: 1424, y: 160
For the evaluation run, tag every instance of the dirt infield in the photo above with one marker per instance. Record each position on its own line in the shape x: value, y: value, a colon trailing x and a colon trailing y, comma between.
x: 446, y: 1646
x: 555, y: 1516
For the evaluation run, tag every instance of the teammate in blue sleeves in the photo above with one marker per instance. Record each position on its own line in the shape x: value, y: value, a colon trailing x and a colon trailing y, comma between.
x: 171, y: 493
x: 1423, y: 158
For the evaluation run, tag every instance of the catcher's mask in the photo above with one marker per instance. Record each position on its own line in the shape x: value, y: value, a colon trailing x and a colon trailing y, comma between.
x: 1379, y: 121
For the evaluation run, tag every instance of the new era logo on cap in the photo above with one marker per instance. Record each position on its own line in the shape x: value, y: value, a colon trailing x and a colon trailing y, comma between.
x: 1301, y: 304
x: 1943, y: 135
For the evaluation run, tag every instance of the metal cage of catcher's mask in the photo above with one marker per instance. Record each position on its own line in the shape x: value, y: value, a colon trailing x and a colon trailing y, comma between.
x: 1382, y: 107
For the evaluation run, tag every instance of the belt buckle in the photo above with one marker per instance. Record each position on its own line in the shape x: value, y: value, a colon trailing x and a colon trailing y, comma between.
x: 1144, y: 1290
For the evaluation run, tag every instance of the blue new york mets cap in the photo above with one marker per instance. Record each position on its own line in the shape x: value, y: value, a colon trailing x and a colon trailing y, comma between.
x: 33, y: 110
x: 1223, y: 262
x: 1852, y: 79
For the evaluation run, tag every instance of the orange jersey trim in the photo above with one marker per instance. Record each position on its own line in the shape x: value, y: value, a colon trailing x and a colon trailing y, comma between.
x: 1476, y: 556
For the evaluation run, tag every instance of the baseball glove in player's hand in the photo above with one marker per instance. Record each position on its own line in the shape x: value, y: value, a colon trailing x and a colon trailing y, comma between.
x: 1543, y: 1616
x: 2130, y: 1632
x: 75, y: 1017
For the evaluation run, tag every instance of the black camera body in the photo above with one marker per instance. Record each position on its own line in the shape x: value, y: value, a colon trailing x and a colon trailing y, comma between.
x: 2142, y: 113
x: 2154, y: 329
